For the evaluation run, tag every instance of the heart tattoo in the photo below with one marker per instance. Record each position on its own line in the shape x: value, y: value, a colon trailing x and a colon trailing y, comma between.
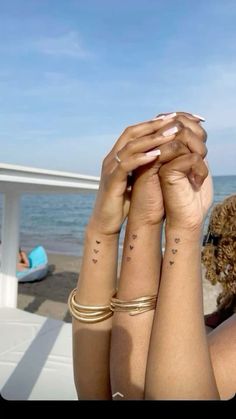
x: 171, y: 262
x: 131, y: 247
x: 174, y: 251
x: 134, y: 236
x: 95, y: 250
x: 177, y: 240
x: 94, y: 260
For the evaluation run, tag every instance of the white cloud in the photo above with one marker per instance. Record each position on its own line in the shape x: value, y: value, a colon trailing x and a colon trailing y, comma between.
x: 68, y: 44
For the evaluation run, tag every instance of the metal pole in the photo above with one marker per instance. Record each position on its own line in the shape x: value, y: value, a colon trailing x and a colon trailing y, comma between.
x: 10, y: 244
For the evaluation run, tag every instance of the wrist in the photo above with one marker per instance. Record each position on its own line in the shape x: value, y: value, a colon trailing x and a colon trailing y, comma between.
x: 188, y: 235
x: 93, y: 229
x: 137, y: 223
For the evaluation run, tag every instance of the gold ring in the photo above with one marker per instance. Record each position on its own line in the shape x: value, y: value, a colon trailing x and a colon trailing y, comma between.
x: 117, y: 158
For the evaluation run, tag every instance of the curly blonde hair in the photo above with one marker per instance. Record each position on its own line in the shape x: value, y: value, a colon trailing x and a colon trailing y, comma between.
x: 219, y: 258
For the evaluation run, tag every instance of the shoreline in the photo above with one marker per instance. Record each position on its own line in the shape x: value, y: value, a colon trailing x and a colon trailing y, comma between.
x: 48, y: 297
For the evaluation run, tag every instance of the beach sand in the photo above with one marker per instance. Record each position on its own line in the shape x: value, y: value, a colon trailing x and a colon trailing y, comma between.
x: 48, y: 297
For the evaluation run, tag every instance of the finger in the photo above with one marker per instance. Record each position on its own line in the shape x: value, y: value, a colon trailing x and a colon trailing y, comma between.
x: 172, y: 150
x: 191, y: 140
x: 193, y: 125
x: 149, y: 142
x: 121, y: 171
x: 140, y: 130
x: 190, y: 164
x: 189, y: 115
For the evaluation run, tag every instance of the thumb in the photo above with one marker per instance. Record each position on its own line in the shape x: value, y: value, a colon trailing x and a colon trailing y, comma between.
x: 189, y: 165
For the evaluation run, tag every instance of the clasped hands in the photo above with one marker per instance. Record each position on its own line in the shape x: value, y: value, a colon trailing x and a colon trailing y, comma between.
x: 170, y: 177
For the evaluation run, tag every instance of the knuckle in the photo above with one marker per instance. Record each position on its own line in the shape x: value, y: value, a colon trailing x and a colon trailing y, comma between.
x: 196, y: 158
x: 187, y: 132
x: 176, y: 145
x: 129, y: 130
x: 131, y: 146
x: 128, y: 148
x: 162, y: 171
x: 180, y: 125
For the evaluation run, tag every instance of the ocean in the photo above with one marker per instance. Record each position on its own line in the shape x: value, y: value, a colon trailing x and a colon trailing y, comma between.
x: 58, y: 222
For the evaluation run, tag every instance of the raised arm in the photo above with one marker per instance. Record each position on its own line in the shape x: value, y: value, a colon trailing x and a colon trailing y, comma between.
x: 97, y: 281
x: 142, y: 256
x: 179, y: 364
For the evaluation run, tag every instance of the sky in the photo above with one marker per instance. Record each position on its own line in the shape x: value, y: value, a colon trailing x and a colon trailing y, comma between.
x: 75, y: 73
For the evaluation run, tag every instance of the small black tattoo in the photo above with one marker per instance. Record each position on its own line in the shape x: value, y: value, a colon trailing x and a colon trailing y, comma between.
x: 171, y: 262
x: 95, y: 250
x: 98, y: 242
x: 131, y: 247
x: 94, y: 260
x: 177, y: 240
x: 134, y: 236
x: 174, y: 251
x: 128, y: 259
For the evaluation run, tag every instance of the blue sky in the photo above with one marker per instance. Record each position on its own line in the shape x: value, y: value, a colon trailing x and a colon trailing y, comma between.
x: 75, y: 73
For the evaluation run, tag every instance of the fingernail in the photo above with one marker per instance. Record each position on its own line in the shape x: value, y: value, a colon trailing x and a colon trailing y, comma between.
x: 158, y: 117
x: 165, y: 117
x: 170, y: 131
x: 199, y: 117
x: 153, y: 153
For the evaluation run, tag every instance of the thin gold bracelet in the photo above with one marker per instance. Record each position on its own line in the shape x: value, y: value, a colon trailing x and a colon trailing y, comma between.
x: 134, y: 307
x: 88, y: 314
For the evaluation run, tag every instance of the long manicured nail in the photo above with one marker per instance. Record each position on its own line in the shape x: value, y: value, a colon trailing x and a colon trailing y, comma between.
x: 165, y: 117
x: 199, y: 117
x: 170, y: 131
x: 153, y: 153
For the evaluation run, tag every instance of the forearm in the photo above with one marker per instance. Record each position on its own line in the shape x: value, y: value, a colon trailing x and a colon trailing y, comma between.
x: 139, y: 277
x: 91, y: 342
x: 179, y: 365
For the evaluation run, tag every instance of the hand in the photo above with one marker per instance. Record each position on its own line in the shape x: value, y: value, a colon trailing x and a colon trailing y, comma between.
x: 147, y: 201
x: 113, y: 199
x: 186, y: 205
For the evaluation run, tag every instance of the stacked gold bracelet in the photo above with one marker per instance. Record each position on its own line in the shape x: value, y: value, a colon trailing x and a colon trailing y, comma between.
x: 136, y: 306
x: 88, y: 314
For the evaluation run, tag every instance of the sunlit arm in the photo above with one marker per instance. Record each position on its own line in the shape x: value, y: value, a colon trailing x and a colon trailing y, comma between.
x: 139, y: 277
x: 179, y: 365
x: 91, y: 342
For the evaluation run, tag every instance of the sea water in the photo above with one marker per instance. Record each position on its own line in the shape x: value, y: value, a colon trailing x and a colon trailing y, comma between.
x: 58, y: 222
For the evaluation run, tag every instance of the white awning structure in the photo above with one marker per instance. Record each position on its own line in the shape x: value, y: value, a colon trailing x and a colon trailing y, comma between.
x: 35, y: 351
x: 18, y: 180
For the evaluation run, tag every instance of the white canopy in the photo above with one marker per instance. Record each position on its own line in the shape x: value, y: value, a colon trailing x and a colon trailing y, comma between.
x: 17, y: 180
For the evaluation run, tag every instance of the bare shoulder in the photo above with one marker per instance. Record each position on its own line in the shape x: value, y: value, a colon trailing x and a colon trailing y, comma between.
x: 222, y: 343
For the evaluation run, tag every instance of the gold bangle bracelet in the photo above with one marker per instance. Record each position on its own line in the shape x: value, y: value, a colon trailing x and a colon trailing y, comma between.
x: 86, y: 308
x: 85, y: 313
x: 134, y: 307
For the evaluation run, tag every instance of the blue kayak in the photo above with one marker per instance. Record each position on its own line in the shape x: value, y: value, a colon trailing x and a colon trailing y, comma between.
x: 38, y: 266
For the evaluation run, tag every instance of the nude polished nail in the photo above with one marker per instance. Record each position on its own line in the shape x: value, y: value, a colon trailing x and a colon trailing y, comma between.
x: 153, y: 153
x: 170, y: 131
x: 165, y: 117
x: 199, y: 117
